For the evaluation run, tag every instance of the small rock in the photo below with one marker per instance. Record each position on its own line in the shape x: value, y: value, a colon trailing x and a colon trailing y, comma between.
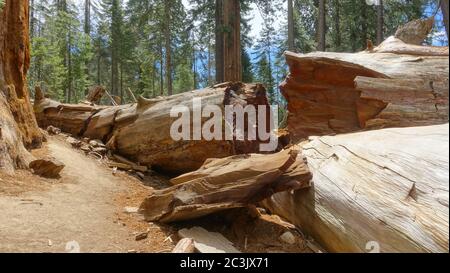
x: 131, y: 210
x: 74, y: 142
x: 53, y: 130
x: 288, y: 238
x: 49, y: 167
x: 132, y: 251
x: 50, y: 243
x: 142, y: 236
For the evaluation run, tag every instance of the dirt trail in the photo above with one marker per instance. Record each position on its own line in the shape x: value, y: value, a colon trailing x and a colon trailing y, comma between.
x: 79, y: 210
x: 84, y: 211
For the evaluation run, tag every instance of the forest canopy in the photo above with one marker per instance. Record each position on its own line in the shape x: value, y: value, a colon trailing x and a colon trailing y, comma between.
x: 156, y: 47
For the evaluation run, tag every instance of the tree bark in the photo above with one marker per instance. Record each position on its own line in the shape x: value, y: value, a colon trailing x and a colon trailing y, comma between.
x: 384, y: 190
x: 444, y: 9
x: 228, y: 183
x: 380, y: 22
x: 291, y: 32
x: 219, y: 58
x: 18, y: 127
x: 115, y: 47
x: 228, y: 41
x: 32, y: 20
x: 87, y: 17
x: 141, y: 132
x: 168, y: 46
x: 337, y: 25
x: 325, y: 95
x: 161, y: 70
x: 87, y: 32
x: 321, y: 27
x: 363, y: 16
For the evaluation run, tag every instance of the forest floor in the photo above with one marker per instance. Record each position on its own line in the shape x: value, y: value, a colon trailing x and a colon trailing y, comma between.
x: 84, y: 211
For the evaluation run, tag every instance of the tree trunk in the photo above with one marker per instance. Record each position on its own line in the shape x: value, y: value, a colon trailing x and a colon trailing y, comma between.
x: 161, y: 70
x: 18, y: 125
x: 141, y: 132
x: 32, y: 20
x: 321, y: 27
x: 363, y: 10
x: 291, y: 31
x: 380, y: 22
x: 99, y: 60
x: 444, y: 9
x: 337, y: 25
x: 384, y: 190
x: 168, y: 46
x: 115, y: 47
x: 228, y: 41
x: 87, y: 32
x: 194, y: 67
x: 219, y: 58
x: 69, y: 68
x: 327, y: 94
x: 87, y: 17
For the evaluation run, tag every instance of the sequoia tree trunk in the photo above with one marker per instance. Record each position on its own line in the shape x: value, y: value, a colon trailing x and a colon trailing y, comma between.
x: 18, y: 127
x: 228, y: 41
x: 376, y: 191
x: 141, y: 131
x: 332, y: 93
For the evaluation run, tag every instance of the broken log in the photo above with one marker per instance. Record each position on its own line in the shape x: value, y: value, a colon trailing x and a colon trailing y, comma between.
x: 140, y: 132
x: 388, y: 188
x: 220, y: 184
x: 416, y: 31
x: 395, y: 84
x: 95, y: 95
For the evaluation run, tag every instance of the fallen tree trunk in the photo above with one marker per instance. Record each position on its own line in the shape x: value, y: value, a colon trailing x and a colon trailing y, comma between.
x: 227, y: 183
x: 141, y: 131
x: 386, y: 188
x: 331, y: 93
x: 18, y: 127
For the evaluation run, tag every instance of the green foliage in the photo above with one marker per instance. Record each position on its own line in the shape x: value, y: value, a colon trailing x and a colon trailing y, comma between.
x: 126, y: 46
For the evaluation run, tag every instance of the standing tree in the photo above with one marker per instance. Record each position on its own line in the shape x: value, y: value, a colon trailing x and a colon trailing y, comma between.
x: 337, y: 36
x: 321, y: 26
x: 291, y: 30
x: 168, y: 45
x: 18, y: 125
x: 116, y: 38
x: 444, y: 9
x: 228, y: 41
x: 380, y: 22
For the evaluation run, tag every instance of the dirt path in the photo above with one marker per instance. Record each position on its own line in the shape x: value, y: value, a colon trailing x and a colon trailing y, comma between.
x: 82, y: 209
